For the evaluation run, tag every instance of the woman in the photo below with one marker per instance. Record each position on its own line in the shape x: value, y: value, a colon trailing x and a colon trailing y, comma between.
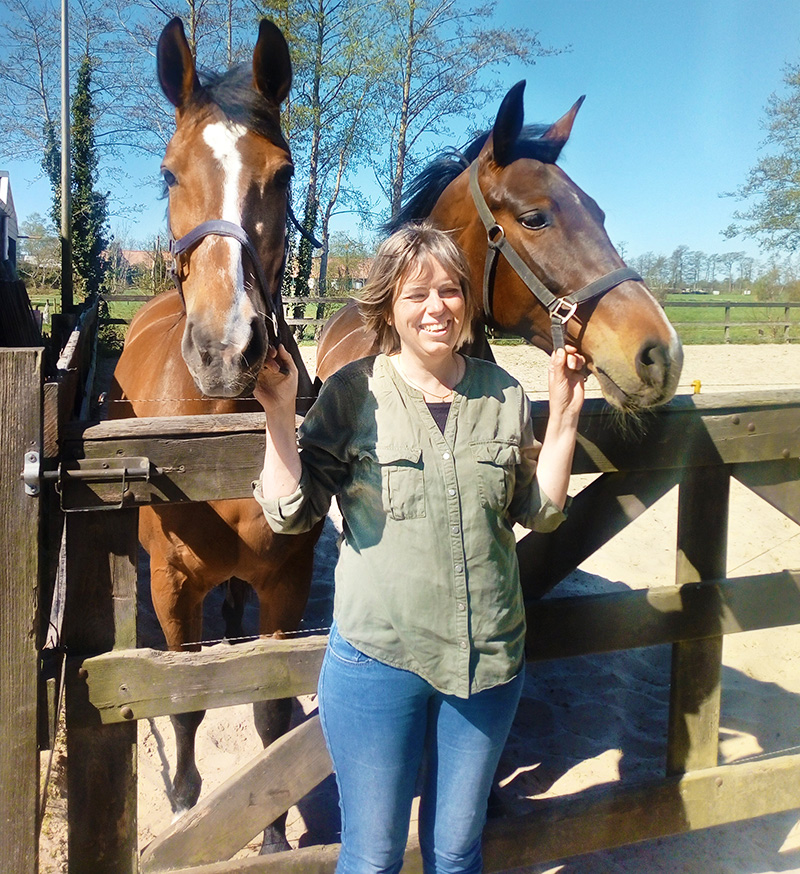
x: 432, y: 458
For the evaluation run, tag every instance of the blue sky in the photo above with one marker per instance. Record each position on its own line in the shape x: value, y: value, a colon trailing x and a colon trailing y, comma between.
x: 675, y: 93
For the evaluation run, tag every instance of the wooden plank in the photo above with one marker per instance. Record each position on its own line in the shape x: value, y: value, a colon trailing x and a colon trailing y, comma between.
x: 223, y: 822
x: 573, y: 626
x: 598, y: 513
x: 101, y: 759
x: 152, y: 683
x: 223, y: 453
x: 139, y: 683
x: 777, y: 482
x: 590, y: 821
x: 595, y: 821
x: 20, y: 432
x: 693, y: 728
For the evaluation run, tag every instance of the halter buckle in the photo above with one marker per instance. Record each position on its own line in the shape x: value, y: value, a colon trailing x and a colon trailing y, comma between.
x: 495, y: 235
x: 564, y: 310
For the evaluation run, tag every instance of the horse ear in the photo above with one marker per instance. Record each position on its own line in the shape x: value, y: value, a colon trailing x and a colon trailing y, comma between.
x: 563, y: 127
x: 272, y: 66
x: 508, y: 124
x: 176, y: 70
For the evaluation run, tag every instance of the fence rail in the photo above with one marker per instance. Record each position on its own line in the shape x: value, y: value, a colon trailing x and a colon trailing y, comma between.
x: 787, y: 323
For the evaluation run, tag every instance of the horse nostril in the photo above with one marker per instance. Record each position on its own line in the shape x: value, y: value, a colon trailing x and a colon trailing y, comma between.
x: 652, y: 362
x: 253, y: 353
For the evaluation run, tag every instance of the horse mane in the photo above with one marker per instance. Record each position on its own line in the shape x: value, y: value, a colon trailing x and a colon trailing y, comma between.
x: 234, y: 94
x: 426, y: 188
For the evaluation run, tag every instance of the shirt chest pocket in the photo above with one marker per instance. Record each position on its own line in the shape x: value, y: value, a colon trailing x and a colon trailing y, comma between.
x: 402, y: 481
x: 496, y: 463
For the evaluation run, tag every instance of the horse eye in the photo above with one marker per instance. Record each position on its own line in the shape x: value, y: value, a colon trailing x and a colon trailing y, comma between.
x: 534, y: 221
x: 284, y: 176
x: 168, y: 177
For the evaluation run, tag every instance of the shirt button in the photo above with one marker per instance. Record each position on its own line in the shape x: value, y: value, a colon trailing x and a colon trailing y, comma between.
x: 445, y: 455
x: 461, y: 606
x: 451, y: 491
x: 459, y: 568
x: 454, y: 529
x: 463, y: 644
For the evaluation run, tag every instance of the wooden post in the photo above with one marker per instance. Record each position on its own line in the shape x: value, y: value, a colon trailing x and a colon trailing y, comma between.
x: 101, y: 759
x: 20, y: 433
x: 727, y: 324
x: 693, y: 735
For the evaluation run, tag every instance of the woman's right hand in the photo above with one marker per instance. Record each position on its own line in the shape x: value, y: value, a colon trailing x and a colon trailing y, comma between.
x: 276, y: 386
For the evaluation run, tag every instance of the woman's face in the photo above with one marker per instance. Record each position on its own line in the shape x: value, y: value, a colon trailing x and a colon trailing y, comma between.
x: 428, y: 311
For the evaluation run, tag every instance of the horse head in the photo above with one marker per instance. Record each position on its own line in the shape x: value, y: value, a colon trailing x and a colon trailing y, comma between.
x: 227, y: 170
x: 538, y: 248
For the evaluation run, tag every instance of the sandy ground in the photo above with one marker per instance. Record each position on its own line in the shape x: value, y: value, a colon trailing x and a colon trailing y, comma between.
x: 582, y: 722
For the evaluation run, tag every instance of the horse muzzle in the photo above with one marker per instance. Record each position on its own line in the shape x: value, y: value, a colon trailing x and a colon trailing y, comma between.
x: 224, y: 368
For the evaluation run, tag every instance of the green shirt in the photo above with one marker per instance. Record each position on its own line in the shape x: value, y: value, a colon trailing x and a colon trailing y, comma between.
x: 427, y: 577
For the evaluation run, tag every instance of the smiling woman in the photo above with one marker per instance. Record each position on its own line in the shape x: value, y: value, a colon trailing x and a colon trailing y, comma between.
x: 432, y: 458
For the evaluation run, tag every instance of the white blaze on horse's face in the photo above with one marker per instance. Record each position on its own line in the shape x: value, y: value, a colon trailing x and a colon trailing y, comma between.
x: 223, y: 139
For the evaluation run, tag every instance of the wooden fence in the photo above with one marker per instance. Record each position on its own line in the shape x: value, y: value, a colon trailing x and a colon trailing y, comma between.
x: 784, y: 329
x: 105, y: 471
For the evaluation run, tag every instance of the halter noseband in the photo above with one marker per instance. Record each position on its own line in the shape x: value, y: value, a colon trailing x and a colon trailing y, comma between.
x: 222, y: 228
x: 561, y: 309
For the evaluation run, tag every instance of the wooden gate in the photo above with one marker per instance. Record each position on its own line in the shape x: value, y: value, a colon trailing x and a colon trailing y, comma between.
x: 108, y: 470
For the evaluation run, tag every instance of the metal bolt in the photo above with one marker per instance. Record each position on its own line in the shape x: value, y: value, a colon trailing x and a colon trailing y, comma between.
x: 126, y: 712
x: 751, y: 427
x: 785, y: 453
x: 735, y: 420
x: 123, y: 688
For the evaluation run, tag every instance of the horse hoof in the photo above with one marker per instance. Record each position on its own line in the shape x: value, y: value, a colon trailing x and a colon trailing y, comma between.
x: 274, y: 842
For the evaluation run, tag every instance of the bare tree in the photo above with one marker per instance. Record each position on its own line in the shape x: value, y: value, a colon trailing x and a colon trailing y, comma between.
x: 437, y: 59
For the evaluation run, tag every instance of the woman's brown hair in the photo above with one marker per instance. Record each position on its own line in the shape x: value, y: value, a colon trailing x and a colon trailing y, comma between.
x: 409, y: 246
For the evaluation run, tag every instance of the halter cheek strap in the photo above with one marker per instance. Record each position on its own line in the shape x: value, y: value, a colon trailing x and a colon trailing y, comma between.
x: 221, y: 228
x: 561, y: 309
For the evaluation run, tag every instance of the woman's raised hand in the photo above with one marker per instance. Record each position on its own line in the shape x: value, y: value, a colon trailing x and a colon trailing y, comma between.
x: 276, y: 387
x: 566, y: 378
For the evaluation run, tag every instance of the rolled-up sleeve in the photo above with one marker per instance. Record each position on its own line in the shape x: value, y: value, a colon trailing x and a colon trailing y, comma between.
x: 324, y: 455
x: 530, y: 506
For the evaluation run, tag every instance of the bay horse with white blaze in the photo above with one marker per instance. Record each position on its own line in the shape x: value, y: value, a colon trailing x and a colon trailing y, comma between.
x: 541, y: 258
x: 199, y: 350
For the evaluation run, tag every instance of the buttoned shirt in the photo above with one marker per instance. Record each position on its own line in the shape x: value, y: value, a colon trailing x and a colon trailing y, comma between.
x: 427, y: 577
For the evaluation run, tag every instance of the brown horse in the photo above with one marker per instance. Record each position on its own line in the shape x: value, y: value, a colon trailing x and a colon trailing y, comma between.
x: 538, y: 250
x: 199, y: 350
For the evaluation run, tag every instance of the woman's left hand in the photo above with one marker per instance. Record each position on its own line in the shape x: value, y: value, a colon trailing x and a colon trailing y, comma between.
x: 566, y: 378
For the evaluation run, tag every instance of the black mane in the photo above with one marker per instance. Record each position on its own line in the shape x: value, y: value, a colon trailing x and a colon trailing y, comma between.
x: 426, y: 188
x: 233, y: 92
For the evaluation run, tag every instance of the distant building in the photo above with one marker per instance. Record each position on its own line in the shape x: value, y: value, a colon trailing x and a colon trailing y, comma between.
x: 138, y: 258
x: 9, y: 231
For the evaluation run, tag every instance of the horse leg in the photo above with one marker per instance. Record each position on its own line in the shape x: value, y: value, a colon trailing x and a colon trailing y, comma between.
x: 282, y: 599
x: 179, y: 611
x: 187, y: 781
x: 233, y: 608
x: 272, y: 720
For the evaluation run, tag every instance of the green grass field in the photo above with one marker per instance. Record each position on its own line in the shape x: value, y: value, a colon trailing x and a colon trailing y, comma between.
x: 703, y: 324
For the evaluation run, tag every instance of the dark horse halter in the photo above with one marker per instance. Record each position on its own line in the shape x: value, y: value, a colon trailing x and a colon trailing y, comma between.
x: 221, y: 228
x: 561, y: 309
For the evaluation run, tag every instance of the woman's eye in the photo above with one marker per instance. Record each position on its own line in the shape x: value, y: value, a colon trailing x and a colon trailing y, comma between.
x: 168, y: 177
x: 534, y: 221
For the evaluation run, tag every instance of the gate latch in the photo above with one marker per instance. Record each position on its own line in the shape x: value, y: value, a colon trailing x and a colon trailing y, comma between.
x: 117, y: 471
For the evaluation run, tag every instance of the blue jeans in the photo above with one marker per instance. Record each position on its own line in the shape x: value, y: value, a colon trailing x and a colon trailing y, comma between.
x: 381, y: 725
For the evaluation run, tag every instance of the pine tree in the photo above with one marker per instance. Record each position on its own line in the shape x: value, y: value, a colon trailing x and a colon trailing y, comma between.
x: 89, y: 207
